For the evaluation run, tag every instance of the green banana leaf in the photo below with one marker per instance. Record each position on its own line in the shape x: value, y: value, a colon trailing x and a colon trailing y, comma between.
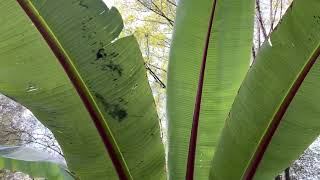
x: 228, y: 59
x: 33, y: 162
x: 275, y: 116
x: 109, y: 72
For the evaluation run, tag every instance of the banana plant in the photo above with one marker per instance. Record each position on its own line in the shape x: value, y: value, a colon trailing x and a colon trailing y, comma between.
x: 274, y: 115
x: 210, y: 55
x: 64, y: 61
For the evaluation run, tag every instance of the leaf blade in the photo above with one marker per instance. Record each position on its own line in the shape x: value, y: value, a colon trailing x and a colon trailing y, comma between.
x: 267, y: 90
x: 231, y: 37
x: 81, y: 88
x: 39, y: 83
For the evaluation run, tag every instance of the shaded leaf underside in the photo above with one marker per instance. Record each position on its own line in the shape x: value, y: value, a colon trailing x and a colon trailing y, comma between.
x: 275, y: 116
x: 228, y: 58
x: 196, y: 112
x: 83, y: 91
x: 113, y: 73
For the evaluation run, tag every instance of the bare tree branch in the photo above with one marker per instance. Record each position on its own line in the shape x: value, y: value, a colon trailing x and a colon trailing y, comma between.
x: 172, y: 3
x: 259, y: 16
x: 270, y: 15
x: 253, y: 53
x: 157, y: 10
x: 156, y: 67
x: 158, y: 80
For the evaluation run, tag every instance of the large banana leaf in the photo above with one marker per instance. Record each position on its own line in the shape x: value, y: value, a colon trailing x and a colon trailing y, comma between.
x: 110, y: 85
x: 228, y: 59
x: 276, y: 114
x: 33, y: 162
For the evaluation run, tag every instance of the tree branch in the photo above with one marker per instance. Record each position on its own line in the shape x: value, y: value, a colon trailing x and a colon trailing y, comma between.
x: 172, y: 3
x: 158, y: 80
x: 157, y: 11
x: 264, y: 32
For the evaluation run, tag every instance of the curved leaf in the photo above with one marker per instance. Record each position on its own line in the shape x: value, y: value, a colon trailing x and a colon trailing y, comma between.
x: 33, y: 162
x: 229, y: 52
x: 276, y: 113
x: 109, y: 77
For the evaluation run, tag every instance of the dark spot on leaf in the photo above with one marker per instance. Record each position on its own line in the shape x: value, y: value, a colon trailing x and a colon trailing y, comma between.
x: 114, y: 110
x: 101, y: 54
x: 118, y: 113
x: 102, y: 100
x: 113, y: 67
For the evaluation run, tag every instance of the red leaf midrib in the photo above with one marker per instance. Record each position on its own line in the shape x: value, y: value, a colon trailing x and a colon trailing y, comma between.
x: 62, y: 58
x: 264, y: 143
x: 196, y: 113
